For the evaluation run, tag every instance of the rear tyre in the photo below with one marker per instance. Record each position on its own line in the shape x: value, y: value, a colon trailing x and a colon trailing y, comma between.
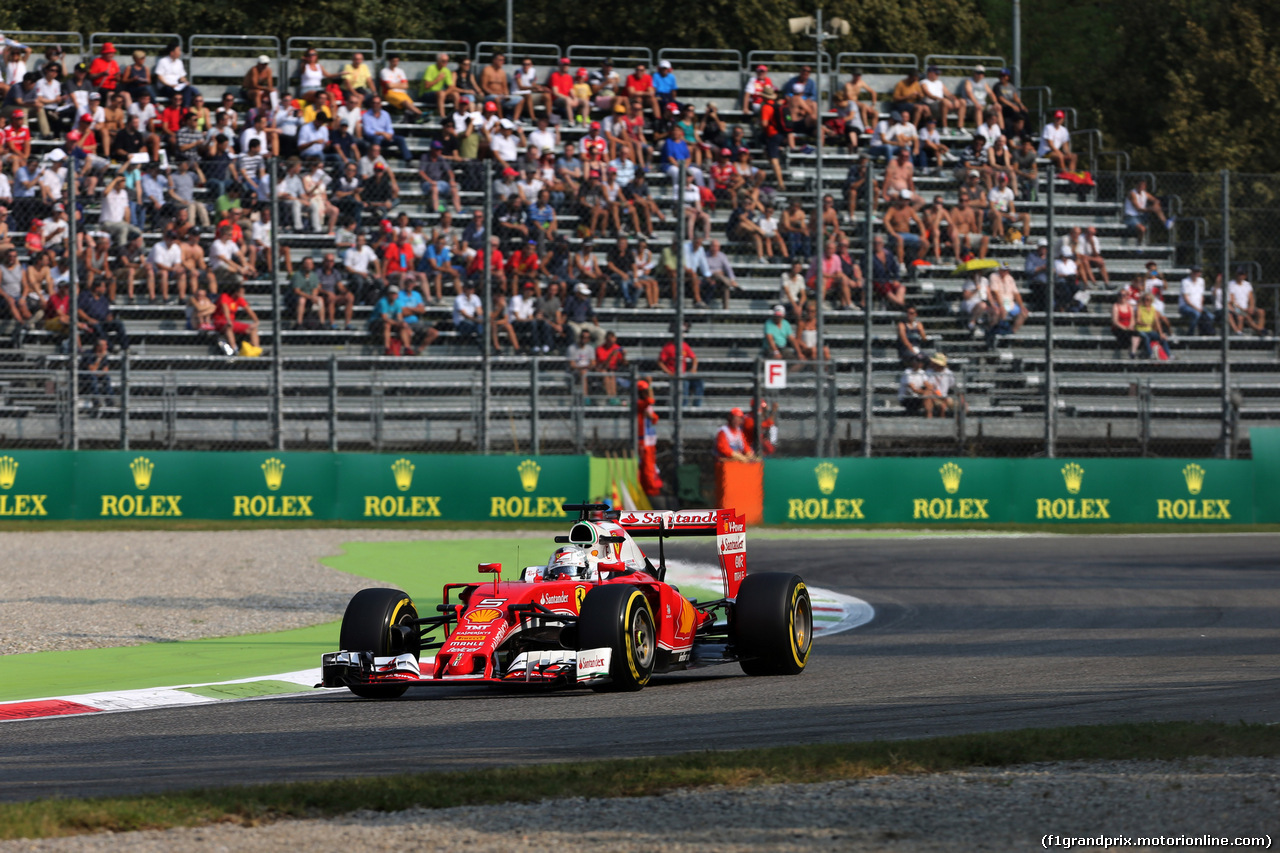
x: 772, y: 624
x: 618, y: 617
x: 370, y: 625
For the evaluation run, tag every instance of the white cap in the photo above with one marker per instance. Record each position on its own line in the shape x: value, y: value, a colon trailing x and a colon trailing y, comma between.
x: 663, y: 63
x: 507, y: 124
x: 264, y: 60
x: 779, y: 311
x: 57, y: 154
x: 1065, y: 252
x: 584, y: 290
x: 905, y: 194
x: 1042, y: 243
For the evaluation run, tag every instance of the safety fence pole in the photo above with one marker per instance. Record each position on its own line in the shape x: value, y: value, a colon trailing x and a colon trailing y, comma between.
x: 868, y: 298
x: 124, y: 400
x: 677, y: 294
x: 333, y: 402
x: 819, y: 385
x: 1050, y: 392
x: 277, y: 334
x: 487, y: 329
x: 535, y: 433
x: 73, y: 312
x: 1227, y: 436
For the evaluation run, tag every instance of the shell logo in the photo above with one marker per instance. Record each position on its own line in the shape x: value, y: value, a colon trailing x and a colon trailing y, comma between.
x: 483, y: 617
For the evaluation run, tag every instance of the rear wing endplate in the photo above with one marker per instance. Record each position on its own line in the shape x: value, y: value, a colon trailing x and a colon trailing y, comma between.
x: 729, y: 528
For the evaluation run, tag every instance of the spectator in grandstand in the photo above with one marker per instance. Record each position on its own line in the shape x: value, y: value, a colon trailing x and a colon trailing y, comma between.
x: 258, y: 88
x: 802, y: 95
x: 610, y: 357
x: 1002, y: 209
x: 96, y: 316
x: 380, y: 192
x: 1242, y: 309
x: 104, y: 71
x: 525, y: 86
x: 198, y: 274
x: 437, y: 265
x: 171, y: 76
x: 1068, y: 291
x: 312, y: 76
x: 989, y: 131
x: 230, y: 267
x: 395, y: 88
x: 865, y: 112
x: 793, y: 290
x: 580, y: 315
x: 907, y: 99
x: 12, y: 292
x: 732, y: 444
x: 581, y: 357
x: 356, y: 77
x: 899, y: 177
x: 438, y: 84
x: 975, y: 95
x: 807, y: 334
x: 911, y: 336
x: 1000, y: 161
x: 364, y: 269
x: 1152, y: 327
x: 551, y: 307
x: 778, y: 335
x: 1138, y: 206
x: 130, y: 260
x: 886, y: 274
x: 1055, y: 143
x: 386, y: 322
x: 495, y: 87
x: 1123, y: 324
x: 913, y: 385
x: 370, y: 160
x: 639, y: 85
x: 437, y: 178
x: 898, y: 222
x: 114, y: 215
x: 1013, y: 113
x: 313, y: 138
x: 224, y: 321
x: 932, y: 147
x: 620, y: 267
x: 305, y: 292
x: 938, y: 100
x: 834, y: 278
x: 376, y: 126
x: 721, y: 276
x: 665, y: 87
x: 200, y: 311
x: 966, y: 229
x: 95, y: 369
x: 941, y: 382
x: 560, y: 91
x: 1191, y: 291
x: 525, y: 316
x: 347, y: 193
x: 975, y: 301
x: 1006, y: 297
x: 468, y: 312
x: 1089, y: 255
x: 165, y: 263
x: 50, y: 102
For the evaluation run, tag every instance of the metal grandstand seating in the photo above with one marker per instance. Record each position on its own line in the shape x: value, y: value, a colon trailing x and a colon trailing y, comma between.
x: 217, y: 63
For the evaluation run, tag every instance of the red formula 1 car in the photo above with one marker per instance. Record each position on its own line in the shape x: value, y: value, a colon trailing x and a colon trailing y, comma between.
x: 598, y: 614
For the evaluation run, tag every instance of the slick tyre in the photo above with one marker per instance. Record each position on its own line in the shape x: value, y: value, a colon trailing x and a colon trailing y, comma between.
x: 772, y: 624
x: 369, y: 625
x: 618, y: 617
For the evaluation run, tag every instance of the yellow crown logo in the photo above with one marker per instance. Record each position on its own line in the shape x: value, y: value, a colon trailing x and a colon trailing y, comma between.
x: 826, y: 477
x: 402, y: 469
x: 142, y: 468
x: 273, y: 470
x: 8, y: 471
x: 951, y: 473
x: 1072, y: 475
x: 529, y: 471
x: 1193, y: 474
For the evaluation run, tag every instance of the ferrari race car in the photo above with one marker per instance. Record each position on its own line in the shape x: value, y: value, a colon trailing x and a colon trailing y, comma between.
x: 599, y: 614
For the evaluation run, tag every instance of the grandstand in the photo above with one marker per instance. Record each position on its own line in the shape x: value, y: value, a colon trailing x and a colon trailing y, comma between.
x: 340, y: 390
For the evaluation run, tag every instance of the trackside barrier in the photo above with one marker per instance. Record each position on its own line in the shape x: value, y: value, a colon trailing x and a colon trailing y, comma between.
x: 39, y: 485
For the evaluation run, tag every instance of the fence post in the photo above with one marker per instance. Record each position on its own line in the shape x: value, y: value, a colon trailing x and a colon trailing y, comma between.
x: 819, y: 386
x: 1050, y: 392
x: 634, y: 399
x: 124, y: 400
x: 1227, y: 437
x: 333, y: 402
x: 277, y: 383
x: 677, y: 294
x: 868, y: 302
x: 757, y: 389
x: 487, y: 329
x: 73, y: 310
x: 535, y: 438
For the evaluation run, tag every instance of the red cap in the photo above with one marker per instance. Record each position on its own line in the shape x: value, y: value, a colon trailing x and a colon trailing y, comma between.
x: 762, y: 68
x: 491, y: 107
x: 510, y: 173
x: 725, y: 152
x: 379, y: 166
x: 1059, y: 114
x: 735, y: 411
x: 642, y: 384
x: 108, y: 47
x: 595, y: 125
x: 564, y: 60
x: 582, y: 72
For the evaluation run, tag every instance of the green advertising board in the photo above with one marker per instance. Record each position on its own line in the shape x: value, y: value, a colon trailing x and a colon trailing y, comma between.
x: 287, y: 486
x: 1265, y: 442
x: 1029, y: 491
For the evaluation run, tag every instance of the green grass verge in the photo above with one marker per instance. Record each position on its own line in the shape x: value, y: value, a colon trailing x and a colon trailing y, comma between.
x: 250, y: 805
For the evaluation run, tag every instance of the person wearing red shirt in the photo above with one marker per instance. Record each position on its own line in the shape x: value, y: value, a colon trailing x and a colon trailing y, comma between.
x: 692, y: 383
x: 595, y: 148
x: 497, y: 265
x: 768, y: 431
x: 398, y: 262
x: 731, y: 441
x: 104, y: 72
x: 639, y: 84
x: 647, y: 429
x: 610, y: 357
x: 724, y: 177
x: 560, y: 82
x: 226, y: 324
x: 525, y: 263
x: 15, y: 139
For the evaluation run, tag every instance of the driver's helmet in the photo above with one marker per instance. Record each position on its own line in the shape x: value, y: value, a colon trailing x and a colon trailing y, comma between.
x: 568, y: 562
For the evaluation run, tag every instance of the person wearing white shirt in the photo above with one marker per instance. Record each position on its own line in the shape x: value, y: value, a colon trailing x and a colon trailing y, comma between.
x: 1242, y: 309
x: 365, y: 270
x: 545, y: 138
x: 171, y: 75
x: 989, y: 131
x: 504, y: 143
x: 165, y: 262
x: 229, y: 267
x: 1055, y: 143
x: 1089, y: 255
x: 1138, y: 204
x: 395, y: 87
x: 1191, y: 304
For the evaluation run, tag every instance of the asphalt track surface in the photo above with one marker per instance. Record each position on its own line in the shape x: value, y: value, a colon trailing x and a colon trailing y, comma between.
x: 970, y: 635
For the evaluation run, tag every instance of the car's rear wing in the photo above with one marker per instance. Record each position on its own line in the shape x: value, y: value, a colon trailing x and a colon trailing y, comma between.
x: 729, y: 528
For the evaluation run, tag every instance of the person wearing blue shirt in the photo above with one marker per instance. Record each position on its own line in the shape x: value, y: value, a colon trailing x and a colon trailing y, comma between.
x: 437, y: 265
x: 675, y: 151
x: 387, y: 320
x: 664, y: 83
x: 375, y: 124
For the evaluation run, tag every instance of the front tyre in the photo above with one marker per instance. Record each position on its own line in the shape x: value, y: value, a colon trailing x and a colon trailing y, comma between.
x: 380, y: 621
x: 618, y: 617
x: 772, y: 624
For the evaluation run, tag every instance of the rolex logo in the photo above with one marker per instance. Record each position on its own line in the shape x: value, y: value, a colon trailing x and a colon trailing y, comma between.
x: 1193, y: 474
x: 142, y: 468
x: 1072, y: 475
x: 951, y: 473
x: 529, y: 471
x: 826, y: 477
x: 8, y: 471
x: 273, y: 470
x: 402, y: 469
